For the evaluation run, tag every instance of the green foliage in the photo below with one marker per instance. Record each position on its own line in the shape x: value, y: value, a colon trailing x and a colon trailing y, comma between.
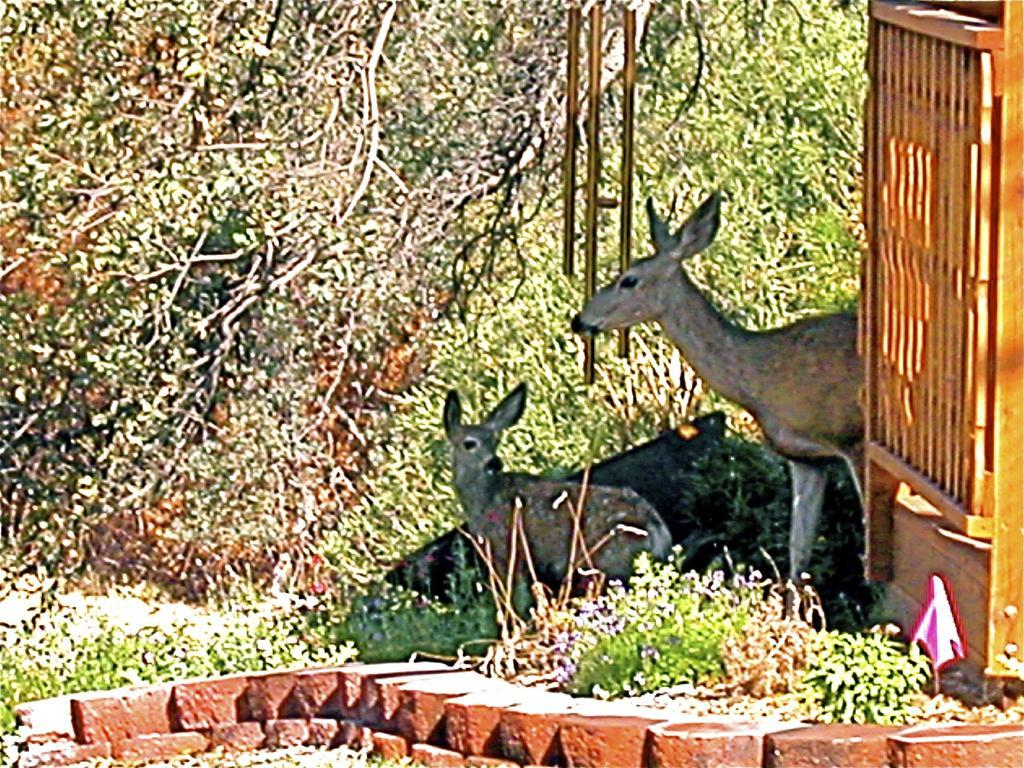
x: 64, y: 651
x: 200, y: 333
x: 207, y: 246
x: 391, y: 623
x: 786, y: 150
x: 667, y: 628
x: 863, y: 678
x: 776, y: 125
x: 739, y: 498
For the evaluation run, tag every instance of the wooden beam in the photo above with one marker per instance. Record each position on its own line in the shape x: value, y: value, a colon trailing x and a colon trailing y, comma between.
x: 944, y: 24
x: 955, y: 515
x: 986, y: 9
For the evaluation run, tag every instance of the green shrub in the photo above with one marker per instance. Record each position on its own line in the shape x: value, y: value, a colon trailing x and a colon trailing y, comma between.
x: 863, y: 678
x: 739, y: 498
x: 204, y: 256
x: 667, y: 628
x: 195, y: 326
x: 391, y: 623
x: 63, y: 651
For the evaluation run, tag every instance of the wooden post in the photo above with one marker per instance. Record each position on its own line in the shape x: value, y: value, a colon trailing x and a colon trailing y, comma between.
x: 880, y: 499
x: 1006, y: 595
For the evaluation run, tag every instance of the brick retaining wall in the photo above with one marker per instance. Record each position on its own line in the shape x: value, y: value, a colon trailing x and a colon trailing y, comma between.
x: 440, y: 716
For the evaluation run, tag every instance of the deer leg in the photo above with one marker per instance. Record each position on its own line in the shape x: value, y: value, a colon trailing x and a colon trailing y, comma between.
x: 808, y: 493
x: 855, y: 461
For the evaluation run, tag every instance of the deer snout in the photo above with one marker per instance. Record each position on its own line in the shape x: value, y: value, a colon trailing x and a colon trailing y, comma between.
x: 582, y: 328
x: 493, y: 465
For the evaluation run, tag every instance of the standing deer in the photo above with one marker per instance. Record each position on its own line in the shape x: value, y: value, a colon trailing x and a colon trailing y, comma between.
x: 800, y: 382
x: 616, y: 523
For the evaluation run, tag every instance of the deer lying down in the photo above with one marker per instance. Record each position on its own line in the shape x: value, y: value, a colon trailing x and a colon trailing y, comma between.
x: 800, y: 382
x: 659, y: 470
x: 617, y: 524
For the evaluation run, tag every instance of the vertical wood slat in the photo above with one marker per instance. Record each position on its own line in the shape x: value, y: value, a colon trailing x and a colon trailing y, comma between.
x: 930, y: 416
x: 899, y: 245
x: 888, y: 326
x: 983, y: 254
x: 944, y: 309
x: 917, y: 152
x: 950, y: 348
x: 957, y: 351
x: 879, y: 534
x: 967, y: 219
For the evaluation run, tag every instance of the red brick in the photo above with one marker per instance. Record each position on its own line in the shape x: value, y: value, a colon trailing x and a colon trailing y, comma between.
x: 471, y: 722
x: 161, y: 746
x: 122, y: 714
x: 709, y: 745
x: 286, y: 733
x: 355, y: 735
x: 823, y: 746
x: 61, y: 753
x: 237, y: 737
x: 965, y: 746
x: 323, y: 732
x: 45, y: 720
x: 368, y: 704
x: 205, y: 703
x: 436, y: 757
x: 264, y: 695
x: 314, y: 694
x: 388, y: 746
x: 420, y: 716
x: 528, y: 732
x: 600, y: 740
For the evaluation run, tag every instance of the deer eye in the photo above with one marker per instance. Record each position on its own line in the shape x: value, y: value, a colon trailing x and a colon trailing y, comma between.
x: 470, y: 443
x: 629, y: 281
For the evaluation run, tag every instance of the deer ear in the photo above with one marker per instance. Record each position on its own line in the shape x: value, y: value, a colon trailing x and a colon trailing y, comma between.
x: 660, y: 236
x: 700, y: 229
x: 452, y: 413
x: 509, y: 410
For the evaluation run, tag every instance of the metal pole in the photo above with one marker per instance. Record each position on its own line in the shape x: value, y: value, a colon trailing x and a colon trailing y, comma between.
x: 593, y: 173
x: 572, y: 110
x: 628, y: 112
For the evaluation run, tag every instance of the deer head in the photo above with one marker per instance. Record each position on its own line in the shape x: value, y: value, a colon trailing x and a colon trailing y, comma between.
x: 638, y: 294
x: 475, y: 462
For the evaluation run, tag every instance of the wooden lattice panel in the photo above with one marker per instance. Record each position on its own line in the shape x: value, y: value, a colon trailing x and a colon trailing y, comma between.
x: 929, y: 198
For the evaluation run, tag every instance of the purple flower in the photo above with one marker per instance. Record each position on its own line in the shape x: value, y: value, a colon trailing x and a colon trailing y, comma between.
x: 565, y: 671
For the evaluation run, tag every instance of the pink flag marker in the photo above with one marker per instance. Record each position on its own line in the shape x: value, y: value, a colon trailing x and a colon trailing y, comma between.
x: 938, y: 625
